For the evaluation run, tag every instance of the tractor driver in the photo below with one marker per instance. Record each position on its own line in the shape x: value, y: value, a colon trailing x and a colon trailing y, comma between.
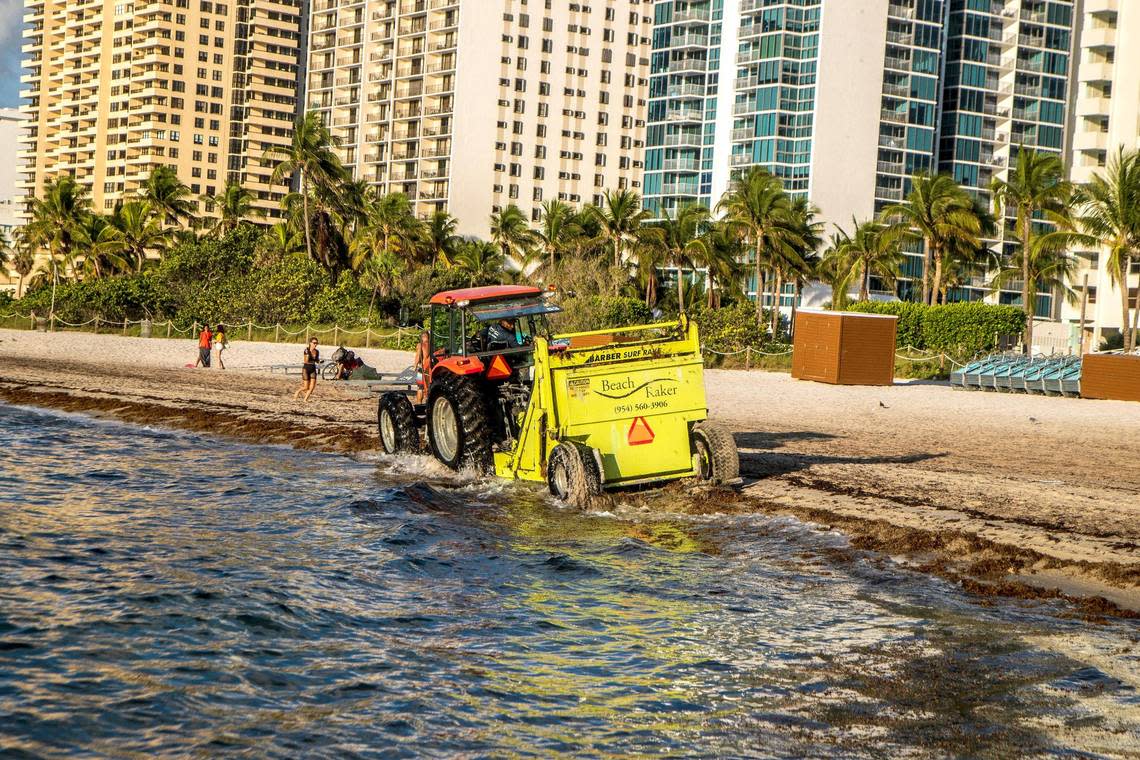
x: 502, y: 334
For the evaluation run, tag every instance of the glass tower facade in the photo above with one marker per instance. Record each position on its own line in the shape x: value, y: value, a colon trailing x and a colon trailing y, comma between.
x: 1006, y: 85
x: 683, y: 87
x: 774, y: 110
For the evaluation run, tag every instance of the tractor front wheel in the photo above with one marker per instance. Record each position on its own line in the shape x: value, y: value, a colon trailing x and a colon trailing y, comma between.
x: 572, y: 474
x: 715, y: 450
x: 397, y: 424
x: 459, y: 429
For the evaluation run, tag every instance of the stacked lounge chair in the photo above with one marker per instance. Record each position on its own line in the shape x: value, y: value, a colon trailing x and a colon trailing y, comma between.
x: 1017, y: 373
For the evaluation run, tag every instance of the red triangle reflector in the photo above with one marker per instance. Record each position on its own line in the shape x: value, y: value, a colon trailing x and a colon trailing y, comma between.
x: 499, y: 369
x: 639, y: 432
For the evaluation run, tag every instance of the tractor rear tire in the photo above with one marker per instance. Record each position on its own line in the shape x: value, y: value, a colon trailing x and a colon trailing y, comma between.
x: 458, y: 423
x: 396, y: 423
x: 716, y: 452
x: 572, y: 474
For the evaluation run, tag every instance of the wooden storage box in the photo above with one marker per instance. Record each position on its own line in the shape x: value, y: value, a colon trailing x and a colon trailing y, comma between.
x: 844, y: 348
x: 1110, y: 376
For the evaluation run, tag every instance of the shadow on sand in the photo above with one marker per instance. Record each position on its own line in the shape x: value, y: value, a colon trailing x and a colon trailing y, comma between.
x: 768, y: 462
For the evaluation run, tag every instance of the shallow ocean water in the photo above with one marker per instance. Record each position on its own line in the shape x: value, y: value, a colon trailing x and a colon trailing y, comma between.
x: 164, y: 592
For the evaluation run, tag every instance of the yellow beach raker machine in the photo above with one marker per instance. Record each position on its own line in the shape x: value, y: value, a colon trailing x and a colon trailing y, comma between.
x: 628, y: 400
x: 581, y: 411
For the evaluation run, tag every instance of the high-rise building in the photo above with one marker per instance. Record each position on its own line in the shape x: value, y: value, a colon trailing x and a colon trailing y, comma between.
x: 115, y: 89
x: 1106, y: 118
x: 470, y: 105
x: 783, y: 84
x: 12, y: 124
x: 845, y: 101
x: 1007, y: 86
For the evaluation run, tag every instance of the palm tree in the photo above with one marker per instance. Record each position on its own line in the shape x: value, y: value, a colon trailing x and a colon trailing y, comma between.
x: 761, y: 214
x: 439, y: 238
x: 650, y: 256
x: 681, y: 239
x: 619, y: 219
x: 943, y: 215
x: 233, y: 205
x: 482, y: 261
x: 799, y: 266
x: 512, y: 233
x: 835, y: 269
x: 557, y: 232
x: 720, y: 258
x: 55, y: 221
x: 5, y: 249
x: 311, y: 157
x: 1035, y: 184
x: 140, y: 231
x: 281, y: 240
x: 391, y: 228
x: 1046, y: 263
x: 1111, y: 215
x: 101, y: 246
x: 169, y: 198
x: 23, y: 261
x: 872, y: 249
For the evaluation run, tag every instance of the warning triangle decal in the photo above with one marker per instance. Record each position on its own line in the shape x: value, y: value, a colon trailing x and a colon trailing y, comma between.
x: 639, y: 432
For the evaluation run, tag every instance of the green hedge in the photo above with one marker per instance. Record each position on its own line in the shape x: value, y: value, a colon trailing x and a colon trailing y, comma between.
x: 961, y: 329
x: 730, y: 328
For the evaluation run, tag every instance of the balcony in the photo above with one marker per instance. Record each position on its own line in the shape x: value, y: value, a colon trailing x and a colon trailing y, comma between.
x: 681, y: 165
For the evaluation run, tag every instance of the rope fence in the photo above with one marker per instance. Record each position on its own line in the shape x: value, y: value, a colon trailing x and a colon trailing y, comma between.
x: 370, y: 335
x: 151, y: 328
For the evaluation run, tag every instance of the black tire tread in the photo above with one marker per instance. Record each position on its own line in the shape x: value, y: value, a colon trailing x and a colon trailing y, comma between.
x: 584, y: 482
x: 403, y: 421
x: 722, y: 449
x: 474, y: 421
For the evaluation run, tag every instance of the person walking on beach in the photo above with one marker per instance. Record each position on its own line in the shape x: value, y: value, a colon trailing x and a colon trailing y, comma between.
x: 423, y: 366
x: 205, y: 341
x: 312, y: 358
x: 220, y: 345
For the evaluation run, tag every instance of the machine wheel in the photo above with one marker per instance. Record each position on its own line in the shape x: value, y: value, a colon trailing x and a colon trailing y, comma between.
x: 396, y: 424
x: 459, y: 429
x: 716, y: 452
x: 572, y: 474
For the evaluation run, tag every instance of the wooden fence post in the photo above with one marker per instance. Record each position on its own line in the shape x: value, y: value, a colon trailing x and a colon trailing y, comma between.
x: 336, y: 335
x: 124, y: 325
x: 53, y: 321
x: 249, y: 330
x: 277, y: 332
x: 748, y: 357
x: 97, y: 320
x: 168, y: 328
x: 306, y: 335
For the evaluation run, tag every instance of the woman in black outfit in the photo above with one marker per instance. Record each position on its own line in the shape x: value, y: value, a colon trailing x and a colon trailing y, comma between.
x: 309, y: 370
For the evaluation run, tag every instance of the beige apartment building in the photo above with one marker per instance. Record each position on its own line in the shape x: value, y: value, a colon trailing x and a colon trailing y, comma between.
x: 469, y: 105
x: 116, y: 88
x: 1106, y: 116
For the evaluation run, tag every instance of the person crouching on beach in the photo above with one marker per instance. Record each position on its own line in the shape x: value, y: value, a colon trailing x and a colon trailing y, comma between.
x: 312, y: 358
x: 220, y: 345
x: 205, y: 340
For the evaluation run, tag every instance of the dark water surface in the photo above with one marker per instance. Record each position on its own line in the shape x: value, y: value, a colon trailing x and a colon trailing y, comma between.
x: 166, y: 593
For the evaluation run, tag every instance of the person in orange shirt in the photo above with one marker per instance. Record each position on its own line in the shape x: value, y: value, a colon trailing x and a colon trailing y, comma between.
x: 205, y: 342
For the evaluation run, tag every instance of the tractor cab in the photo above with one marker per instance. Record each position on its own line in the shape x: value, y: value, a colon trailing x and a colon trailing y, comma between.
x: 488, y: 332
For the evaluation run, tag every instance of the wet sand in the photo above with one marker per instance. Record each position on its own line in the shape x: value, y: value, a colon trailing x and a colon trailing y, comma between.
x: 1007, y: 494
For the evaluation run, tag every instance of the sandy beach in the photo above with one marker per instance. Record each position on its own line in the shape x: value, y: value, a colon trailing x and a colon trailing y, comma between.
x: 1007, y: 494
